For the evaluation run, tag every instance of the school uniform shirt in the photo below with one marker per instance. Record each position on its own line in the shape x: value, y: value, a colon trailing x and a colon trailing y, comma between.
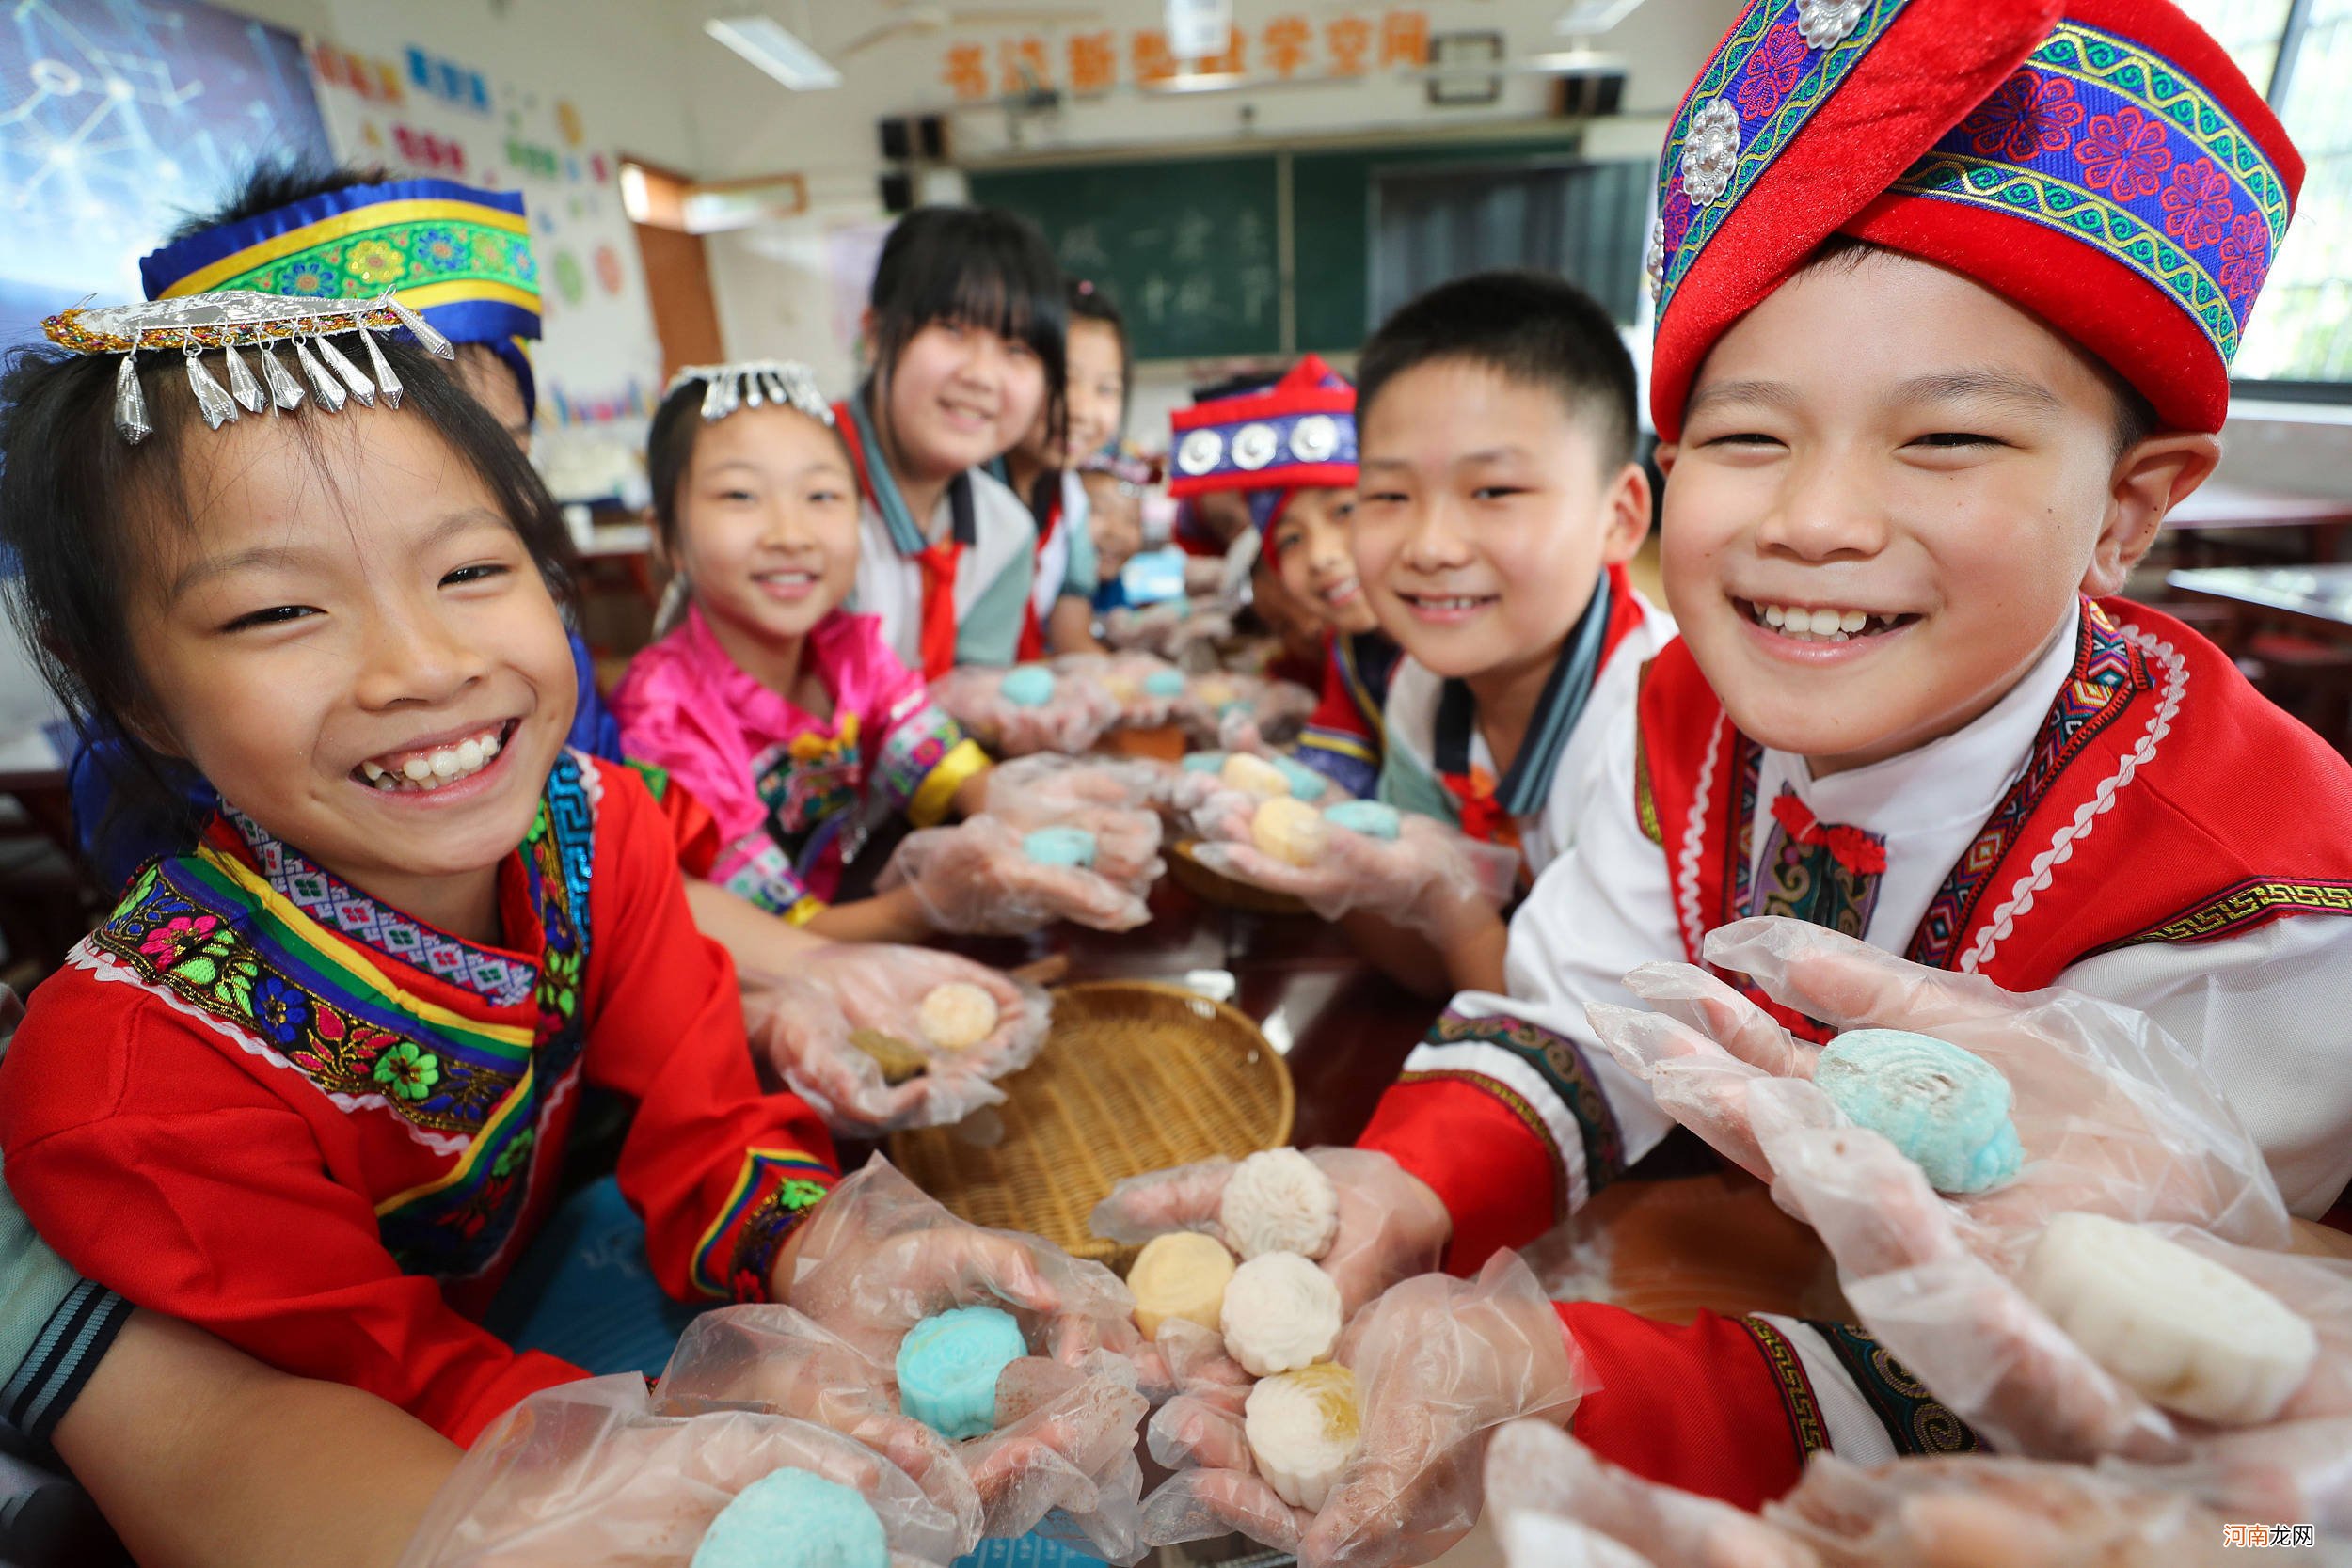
x: 1066, y: 562
x: 963, y: 573
x: 793, y: 794
x: 55, y: 1326
x: 1436, y: 762
x: 1343, y: 739
x: 2130, y: 821
x: 261, y: 1101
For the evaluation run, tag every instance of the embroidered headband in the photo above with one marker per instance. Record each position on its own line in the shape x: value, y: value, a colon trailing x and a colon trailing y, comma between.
x: 234, y: 319
x: 460, y: 257
x: 2100, y: 162
x: 1296, y: 434
x: 749, y: 383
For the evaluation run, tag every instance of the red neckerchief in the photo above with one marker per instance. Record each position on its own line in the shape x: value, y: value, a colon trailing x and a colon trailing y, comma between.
x: 1045, y: 506
x: 939, y: 562
x: 1850, y: 847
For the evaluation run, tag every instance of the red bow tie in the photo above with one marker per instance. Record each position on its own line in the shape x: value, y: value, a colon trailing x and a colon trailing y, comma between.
x: 1852, y: 847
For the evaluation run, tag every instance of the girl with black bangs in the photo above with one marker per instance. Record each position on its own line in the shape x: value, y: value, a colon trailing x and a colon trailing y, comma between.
x: 967, y: 323
x: 310, y: 1084
x: 1043, y: 470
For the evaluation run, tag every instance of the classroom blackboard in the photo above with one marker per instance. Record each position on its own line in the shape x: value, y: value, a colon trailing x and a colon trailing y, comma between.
x: 1187, y: 248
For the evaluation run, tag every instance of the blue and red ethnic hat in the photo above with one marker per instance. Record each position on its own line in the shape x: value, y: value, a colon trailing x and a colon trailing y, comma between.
x: 2100, y: 162
x: 1298, y: 433
x: 458, y: 256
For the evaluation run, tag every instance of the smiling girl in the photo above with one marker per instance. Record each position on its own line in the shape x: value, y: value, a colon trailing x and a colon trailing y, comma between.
x: 1044, y: 470
x: 308, y: 1087
x: 967, y: 323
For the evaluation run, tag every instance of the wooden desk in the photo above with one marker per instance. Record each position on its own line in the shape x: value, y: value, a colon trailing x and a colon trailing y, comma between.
x: 2223, y: 509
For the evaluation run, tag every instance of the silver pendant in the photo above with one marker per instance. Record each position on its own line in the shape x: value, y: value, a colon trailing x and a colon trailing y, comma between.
x: 385, y: 382
x: 361, y: 388
x: 284, y: 390
x: 331, y: 394
x: 427, y: 339
x: 215, y: 403
x: 241, y: 386
x: 129, y: 403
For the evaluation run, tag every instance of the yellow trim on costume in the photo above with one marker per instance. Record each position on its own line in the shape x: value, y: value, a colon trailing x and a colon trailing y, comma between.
x: 805, y: 909
x: 481, y: 1141
x: 461, y: 291
x: 336, y: 949
x: 937, y: 792
x: 1347, y: 746
x: 342, y: 226
x: 728, y: 1210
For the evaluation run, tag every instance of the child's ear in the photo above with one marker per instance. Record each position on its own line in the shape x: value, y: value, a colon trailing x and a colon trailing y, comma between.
x: 2152, y: 477
x: 1629, y: 515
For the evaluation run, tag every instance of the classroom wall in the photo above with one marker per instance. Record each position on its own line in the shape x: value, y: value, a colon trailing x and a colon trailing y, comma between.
x: 774, y: 285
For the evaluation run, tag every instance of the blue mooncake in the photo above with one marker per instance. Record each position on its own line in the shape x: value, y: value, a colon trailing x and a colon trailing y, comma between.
x: 949, y: 1366
x: 793, y: 1519
x: 1947, y: 1109
x: 1028, y: 686
x: 1372, y: 818
x: 1060, y: 847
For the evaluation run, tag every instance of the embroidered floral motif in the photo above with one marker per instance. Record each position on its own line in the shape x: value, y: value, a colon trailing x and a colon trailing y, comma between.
x: 2124, y: 153
x: 1654, y: 260
x: 1773, y: 73
x: 408, y: 1070
x: 2196, y: 203
x: 376, y: 262
x: 2029, y: 115
x: 439, y: 248
x: 1823, y: 23
x: 1711, y: 153
x: 2245, y: 257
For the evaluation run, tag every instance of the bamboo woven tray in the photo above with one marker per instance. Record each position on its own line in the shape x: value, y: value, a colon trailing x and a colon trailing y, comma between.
x: 1135, y: 1077
x: 1215, y: 887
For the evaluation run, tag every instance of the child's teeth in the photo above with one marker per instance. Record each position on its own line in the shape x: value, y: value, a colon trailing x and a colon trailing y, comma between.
x: 1824, y: 621
x: 374, y: 774
x: 419, y: 769
x: 470, y: 754
x: 1774, y: 616
x: 429, y: 770
x: 1853, y: 621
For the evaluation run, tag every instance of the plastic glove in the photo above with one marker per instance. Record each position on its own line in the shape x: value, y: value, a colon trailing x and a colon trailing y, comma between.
x: 1071, y: 720
x: 877, y: 1258
x: 591, y: 1472
x: 1128, y: 678
x: 1429, y: 877
x: 2115, y: 1116
x: 1559, y: 1506
x: 1952, y: 1316
x: 975, y: 879
x: 1440, y: 1363
x: 1032, y: 790
x: 1391, y: 1227
x: 800, y: 1026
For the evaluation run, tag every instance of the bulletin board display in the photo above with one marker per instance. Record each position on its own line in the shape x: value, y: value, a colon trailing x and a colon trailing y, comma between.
x: 1188, y: 248
x: 417, y: 109
x: 115, y: 121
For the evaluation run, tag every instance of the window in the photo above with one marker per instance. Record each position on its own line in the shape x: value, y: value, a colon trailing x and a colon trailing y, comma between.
x: 2300, y: 51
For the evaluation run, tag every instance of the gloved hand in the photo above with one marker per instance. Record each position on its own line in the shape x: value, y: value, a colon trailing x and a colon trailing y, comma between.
x: 2114, y: 1116
x: 1391, y: 1225
x: 1034, y: 791
x: 1070, y: 721
x: 1430, y: 877
x: 975, y: 878
x: 1129, y: 678
x: 591, y: 1472
x: 801, y: 1025
x: 1557, y: 1505
x: 1440, y: 1363
x: 874, y: 1259
x: 1935, y: 1287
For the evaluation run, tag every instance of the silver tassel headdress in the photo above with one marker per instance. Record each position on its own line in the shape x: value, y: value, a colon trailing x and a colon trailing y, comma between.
x: 749, y: 383
x: 234, y: 318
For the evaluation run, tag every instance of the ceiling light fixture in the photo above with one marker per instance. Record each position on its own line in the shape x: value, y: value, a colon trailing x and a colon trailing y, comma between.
x: 782, y: 56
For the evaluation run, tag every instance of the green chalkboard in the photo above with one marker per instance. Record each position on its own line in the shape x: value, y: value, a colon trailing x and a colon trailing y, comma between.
x: 1186, y: 248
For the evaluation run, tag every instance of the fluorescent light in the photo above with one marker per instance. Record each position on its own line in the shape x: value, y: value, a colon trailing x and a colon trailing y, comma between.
x: 1199, y: 81
x: 1595, y: 16
x: 765, y: 44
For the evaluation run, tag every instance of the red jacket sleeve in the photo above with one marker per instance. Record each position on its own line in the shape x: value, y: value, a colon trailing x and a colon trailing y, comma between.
x: 1488, y: 1162
x: 157, y: 1165
x: 720, y: 1171
x: 1698, y: 1407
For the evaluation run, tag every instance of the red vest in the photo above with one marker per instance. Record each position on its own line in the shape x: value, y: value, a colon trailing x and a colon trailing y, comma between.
x: 2164, y: 801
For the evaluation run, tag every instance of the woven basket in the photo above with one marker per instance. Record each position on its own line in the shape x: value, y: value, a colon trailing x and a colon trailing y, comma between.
x: 1215, y: 887
x: 1135, y: 1077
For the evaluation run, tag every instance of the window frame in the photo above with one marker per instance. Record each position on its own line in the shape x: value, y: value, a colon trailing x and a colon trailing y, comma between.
x: 2292, y: 32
